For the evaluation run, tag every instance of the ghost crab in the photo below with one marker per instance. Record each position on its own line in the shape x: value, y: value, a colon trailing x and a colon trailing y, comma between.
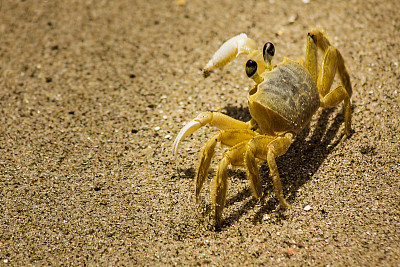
x: 281, y: 103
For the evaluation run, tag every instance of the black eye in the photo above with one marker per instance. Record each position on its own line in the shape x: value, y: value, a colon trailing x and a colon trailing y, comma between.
x: 312, y: 36
x: 269, y: 48
x: 251, y: 68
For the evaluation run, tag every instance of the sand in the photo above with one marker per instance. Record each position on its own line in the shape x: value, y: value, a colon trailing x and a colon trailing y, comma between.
x: 93, y: 93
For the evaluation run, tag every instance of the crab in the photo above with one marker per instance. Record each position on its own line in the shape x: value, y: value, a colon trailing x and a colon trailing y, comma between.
x: 281, y: 103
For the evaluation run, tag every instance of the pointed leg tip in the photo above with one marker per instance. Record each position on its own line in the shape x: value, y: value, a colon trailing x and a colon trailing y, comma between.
x: 188, y: 129
x: 283, y: 204
x: 198, y: 200
x: 218, y: 224
x: 175, y: 148
x: 206, y: 73
x: 312, y: 36
x: 346, y: 135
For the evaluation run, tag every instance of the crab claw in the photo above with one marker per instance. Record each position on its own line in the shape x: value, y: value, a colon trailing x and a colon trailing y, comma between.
x: 189, y: 128
x: 240, y: 44
x: 192, y: 126
x: 215, y: 119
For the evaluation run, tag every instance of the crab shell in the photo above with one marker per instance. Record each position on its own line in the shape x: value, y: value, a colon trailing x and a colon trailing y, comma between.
x: 285, y: 101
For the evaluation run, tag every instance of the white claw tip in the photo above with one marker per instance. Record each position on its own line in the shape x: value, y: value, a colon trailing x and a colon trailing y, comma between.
x: 189, y: 128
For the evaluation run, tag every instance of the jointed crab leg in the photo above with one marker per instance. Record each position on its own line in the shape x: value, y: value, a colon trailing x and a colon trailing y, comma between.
x: 267, y: 149
x: 332, y: 62
x: 311, y: 59
x: 219, y: 120
x: 333, y: 98
x: 262, y: 147
x: 240, y: 44
x: 234, y: 156
x: 230, y: 137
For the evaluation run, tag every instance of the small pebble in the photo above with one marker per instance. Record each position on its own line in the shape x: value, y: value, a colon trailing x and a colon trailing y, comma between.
x: 291, y: 251
x: 266, y: 217
x: 307, y: 208
x: 157, y: 128
x: 293, y: 18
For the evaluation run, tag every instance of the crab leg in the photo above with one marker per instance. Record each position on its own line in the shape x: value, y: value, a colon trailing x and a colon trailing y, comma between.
x: 311, y: 59
x: 333, y: 98
x: 240, y: 44
x: 242, y: 154
x: 216, y: 119
x: 234, y: 157
x: 229, y: 137
x: 332, y: 62
x: 264, y: 148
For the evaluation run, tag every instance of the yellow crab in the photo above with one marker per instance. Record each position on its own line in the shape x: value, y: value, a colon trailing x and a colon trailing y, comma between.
x: 281, y: 103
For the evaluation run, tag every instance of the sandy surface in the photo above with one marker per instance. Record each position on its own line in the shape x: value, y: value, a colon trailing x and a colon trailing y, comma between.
x: 92, y: 94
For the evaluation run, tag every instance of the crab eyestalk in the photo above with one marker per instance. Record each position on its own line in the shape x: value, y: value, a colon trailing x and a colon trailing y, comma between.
x: 251, y: 71
x: 268, y: 54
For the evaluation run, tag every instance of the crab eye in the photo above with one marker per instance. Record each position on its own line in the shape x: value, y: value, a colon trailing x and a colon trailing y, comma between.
x: 269, y: 48
x: 251, y: 68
